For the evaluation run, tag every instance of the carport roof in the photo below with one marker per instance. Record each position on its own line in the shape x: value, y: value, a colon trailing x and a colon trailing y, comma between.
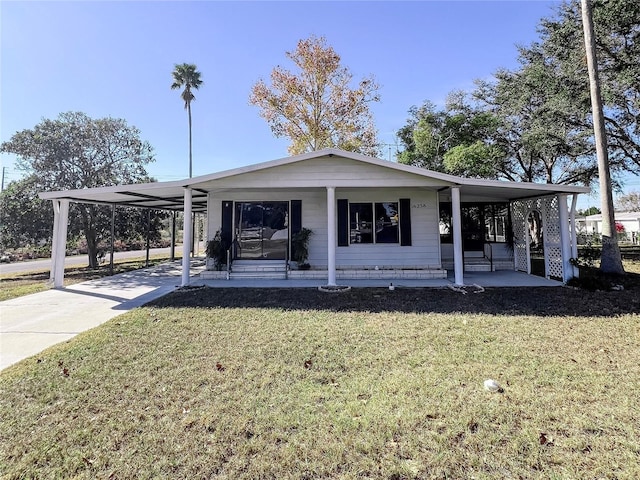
x: 170, y: 195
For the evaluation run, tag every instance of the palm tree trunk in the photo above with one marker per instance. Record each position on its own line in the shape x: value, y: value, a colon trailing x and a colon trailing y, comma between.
x: 190, y: 155
x: 610, y: 260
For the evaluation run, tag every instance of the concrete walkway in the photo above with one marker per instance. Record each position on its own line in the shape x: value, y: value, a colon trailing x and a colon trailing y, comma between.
x: 32, y: 323
x: 501, y: 278
x: 35, y: 322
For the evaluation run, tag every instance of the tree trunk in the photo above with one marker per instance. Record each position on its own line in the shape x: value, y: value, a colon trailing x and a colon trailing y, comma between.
x: 190, y: 156
x: 610, y: 260
x: 92, y: 248
x: 88, y: 214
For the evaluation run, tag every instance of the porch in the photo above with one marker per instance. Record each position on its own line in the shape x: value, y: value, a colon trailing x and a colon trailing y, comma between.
x: 364, y: 213
x: 502, y: 278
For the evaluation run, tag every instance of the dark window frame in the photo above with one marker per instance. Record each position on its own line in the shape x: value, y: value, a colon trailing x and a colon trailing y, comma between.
x: 372, y: 224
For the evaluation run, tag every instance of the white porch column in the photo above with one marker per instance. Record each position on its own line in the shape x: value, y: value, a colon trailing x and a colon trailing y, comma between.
x: 59, y: 245
x: 565, y: 242
x: 331, y: 235
x: 186, y: 238
x: 574, y: 232
x: 456, y: 221
x: 54, y: 238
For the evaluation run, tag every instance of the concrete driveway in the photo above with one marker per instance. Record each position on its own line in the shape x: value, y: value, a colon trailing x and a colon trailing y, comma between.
x: 35, y: 322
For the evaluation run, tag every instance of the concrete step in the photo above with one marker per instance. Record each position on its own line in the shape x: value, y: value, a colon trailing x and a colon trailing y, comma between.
x: 471, y: 264
x: 263, y: 269
x: 477, y: 267
x: 258, y: 275
x: 258, y: 268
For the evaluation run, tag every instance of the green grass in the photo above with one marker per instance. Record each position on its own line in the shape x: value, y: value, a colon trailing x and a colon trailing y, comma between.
x: 340, y: 391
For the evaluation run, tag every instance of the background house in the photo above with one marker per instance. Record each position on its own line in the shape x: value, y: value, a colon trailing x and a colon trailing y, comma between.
x: 627, y: 226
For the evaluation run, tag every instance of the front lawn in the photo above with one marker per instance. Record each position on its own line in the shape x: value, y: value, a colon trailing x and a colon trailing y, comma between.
x: 364, y: 384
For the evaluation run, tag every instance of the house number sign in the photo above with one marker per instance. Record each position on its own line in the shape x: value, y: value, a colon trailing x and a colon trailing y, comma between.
x: 419, y: 205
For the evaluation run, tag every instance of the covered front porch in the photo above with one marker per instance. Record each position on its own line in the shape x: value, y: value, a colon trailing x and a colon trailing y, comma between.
x: 373, y: 220
x: 501, y: 278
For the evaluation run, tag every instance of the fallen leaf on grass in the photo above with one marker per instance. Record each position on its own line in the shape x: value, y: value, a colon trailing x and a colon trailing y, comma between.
x: 545, y: 439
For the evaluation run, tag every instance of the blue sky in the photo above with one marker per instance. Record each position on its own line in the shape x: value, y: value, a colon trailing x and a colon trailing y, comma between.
x: 115, y: 59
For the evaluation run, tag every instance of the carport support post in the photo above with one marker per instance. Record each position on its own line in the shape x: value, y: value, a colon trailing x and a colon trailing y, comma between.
x: 54, y: 239
x: 456, y: 217
x: 173, y: 236
x: 565, y: 244
x: 331, y: 235
x: 113, y: 236
x: 186, y: 238
x: 59, y: 245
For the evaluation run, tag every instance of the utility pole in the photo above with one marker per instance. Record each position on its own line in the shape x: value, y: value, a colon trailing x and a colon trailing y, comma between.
x: 610, y: 261
x: 3, y: 170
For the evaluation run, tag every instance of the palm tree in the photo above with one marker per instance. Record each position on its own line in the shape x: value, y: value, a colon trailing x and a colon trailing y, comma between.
x: 611, y: 260
x: 185, y: 75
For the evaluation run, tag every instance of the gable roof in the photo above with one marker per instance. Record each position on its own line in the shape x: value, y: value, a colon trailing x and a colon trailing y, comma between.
x: 169, y: 195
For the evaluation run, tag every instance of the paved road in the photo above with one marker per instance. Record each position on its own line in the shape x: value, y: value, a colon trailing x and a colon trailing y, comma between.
x: 82, y: 260
x: 74, y: 260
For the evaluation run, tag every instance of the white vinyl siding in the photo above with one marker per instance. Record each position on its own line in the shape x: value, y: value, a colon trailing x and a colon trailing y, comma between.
x: 424, y: 251
x: 320, y: 172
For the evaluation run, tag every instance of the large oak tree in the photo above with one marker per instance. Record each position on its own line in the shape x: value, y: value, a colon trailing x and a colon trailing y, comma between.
x: 317, y: 106
x: 75, y: 151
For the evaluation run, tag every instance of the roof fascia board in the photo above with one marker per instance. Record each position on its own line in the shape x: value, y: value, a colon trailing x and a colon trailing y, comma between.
x: 549, y: 187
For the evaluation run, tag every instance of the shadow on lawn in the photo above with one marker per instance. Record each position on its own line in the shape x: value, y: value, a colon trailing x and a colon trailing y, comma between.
x: 538, y: 301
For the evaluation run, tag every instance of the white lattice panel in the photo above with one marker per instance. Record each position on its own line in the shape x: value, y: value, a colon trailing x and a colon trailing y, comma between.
x: 553, y: 256
x: 548, y: 208
x: 552, y: 242
x: 519, y: 210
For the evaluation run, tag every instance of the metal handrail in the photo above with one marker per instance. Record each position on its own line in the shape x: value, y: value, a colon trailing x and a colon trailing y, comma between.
x: 491, y: 254
x: 230, y: 256
x: 286, y: 262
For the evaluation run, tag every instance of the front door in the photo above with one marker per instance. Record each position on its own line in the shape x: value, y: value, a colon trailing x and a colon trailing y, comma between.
x: 262, y: 230
x: 472, y: 228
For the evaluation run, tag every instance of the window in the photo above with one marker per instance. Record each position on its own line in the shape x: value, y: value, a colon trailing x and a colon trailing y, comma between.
x: 387, y: 222
x: 360, y: 223
x: 496, y: 219
x: 488, y: 221
x: 446, y: 232
x: 373, y: 222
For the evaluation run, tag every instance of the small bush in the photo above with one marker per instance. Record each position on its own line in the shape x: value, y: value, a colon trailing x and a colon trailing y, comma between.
x: 217, y: 250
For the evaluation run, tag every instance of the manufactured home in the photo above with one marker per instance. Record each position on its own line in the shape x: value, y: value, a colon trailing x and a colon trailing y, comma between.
x: 369, y: 218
